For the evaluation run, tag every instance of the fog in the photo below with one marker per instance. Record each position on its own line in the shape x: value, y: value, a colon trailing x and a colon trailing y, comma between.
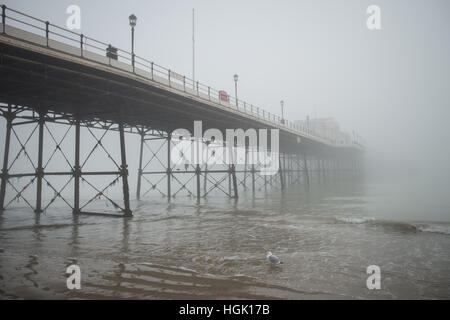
x: 329, y: 227
x: 391, y: 86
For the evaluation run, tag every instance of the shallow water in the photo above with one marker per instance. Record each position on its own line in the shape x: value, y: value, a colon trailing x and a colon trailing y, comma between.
x: 327, y: 236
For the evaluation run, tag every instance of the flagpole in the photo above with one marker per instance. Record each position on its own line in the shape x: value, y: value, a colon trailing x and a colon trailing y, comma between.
x: 193, y: 50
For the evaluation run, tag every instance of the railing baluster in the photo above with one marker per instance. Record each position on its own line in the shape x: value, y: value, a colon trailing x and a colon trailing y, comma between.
x: 46, y: 31
x: 81, y: 44
x: 108, y: 50
x: 4, y: 18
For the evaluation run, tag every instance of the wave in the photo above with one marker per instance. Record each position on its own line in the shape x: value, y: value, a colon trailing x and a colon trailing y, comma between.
x: 432, y: 227
x: 442, y: 229
x: 355, y: 220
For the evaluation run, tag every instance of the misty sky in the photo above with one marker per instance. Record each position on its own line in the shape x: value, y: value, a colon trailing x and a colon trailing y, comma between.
x: 391, y: 85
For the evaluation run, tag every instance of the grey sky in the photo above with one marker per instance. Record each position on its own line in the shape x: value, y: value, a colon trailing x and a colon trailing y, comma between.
x: 391, y: 85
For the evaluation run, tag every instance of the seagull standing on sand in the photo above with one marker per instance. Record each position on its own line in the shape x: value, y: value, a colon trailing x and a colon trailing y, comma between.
x: 273, y: 259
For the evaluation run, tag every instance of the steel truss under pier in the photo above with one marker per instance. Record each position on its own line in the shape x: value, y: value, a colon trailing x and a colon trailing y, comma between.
x: 49, y: 142
x: 156, y: 173
x: 77, y: 105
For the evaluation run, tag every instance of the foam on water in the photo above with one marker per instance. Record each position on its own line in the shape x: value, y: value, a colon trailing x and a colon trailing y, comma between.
x: 355, y: 220
x: 432, y: 227
x: 442, y: 229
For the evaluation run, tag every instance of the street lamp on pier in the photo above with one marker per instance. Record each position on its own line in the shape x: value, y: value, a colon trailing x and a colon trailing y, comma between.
x: 133, y: 20
x: 235, y: 88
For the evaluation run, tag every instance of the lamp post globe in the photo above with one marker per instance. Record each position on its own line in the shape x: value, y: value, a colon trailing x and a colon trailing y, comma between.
x: 133, y: 20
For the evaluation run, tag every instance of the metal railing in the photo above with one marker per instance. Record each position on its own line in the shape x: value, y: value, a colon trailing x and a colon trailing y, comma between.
x: 85, y: 46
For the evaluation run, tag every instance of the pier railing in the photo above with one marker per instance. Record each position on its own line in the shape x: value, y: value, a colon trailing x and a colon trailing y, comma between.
x: 56, y: 37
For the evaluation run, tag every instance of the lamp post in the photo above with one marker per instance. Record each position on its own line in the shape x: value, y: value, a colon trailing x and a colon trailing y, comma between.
x: 235, y: 88
x: 132, y: 19
x: 282, y: 111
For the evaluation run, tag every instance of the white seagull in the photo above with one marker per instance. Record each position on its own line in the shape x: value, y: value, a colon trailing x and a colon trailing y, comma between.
x: 273, y: 259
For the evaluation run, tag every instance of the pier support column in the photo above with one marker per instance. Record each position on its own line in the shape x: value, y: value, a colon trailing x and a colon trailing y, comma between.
x: 4, y: 174
x: 229, y: 172
x: 271, y: 179
x: 197, y: 173
x: 139, y: 177
x: 284, y: 171
x: 245, y: 166
x: 281, y: 173
x: 287, y: 169
x: 291, y: 172
x: 253, y: 179
x: 124, y: 171
x: 265, y: 183
x: 229, y: 180
x: 235, y: 186
x: 305, y: 161
x: 169, y: 169
x: 77, y: 169
x: 205, y: 178
x: 40, y: 169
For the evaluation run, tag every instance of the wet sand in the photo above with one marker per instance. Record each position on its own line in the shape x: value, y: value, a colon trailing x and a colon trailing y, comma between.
x: 216, y: 250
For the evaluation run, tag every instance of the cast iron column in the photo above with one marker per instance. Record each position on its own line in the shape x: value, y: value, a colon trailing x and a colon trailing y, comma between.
x: 197, y: 173
x: 233, y: 175
x: 306, y: 169
x: 169, y: 170
x: 124, y: 171
x: 281, y: 172
x: 40, y: 169
x: 4, y: 175
x: 77, y: 168
x: 138, y: 188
